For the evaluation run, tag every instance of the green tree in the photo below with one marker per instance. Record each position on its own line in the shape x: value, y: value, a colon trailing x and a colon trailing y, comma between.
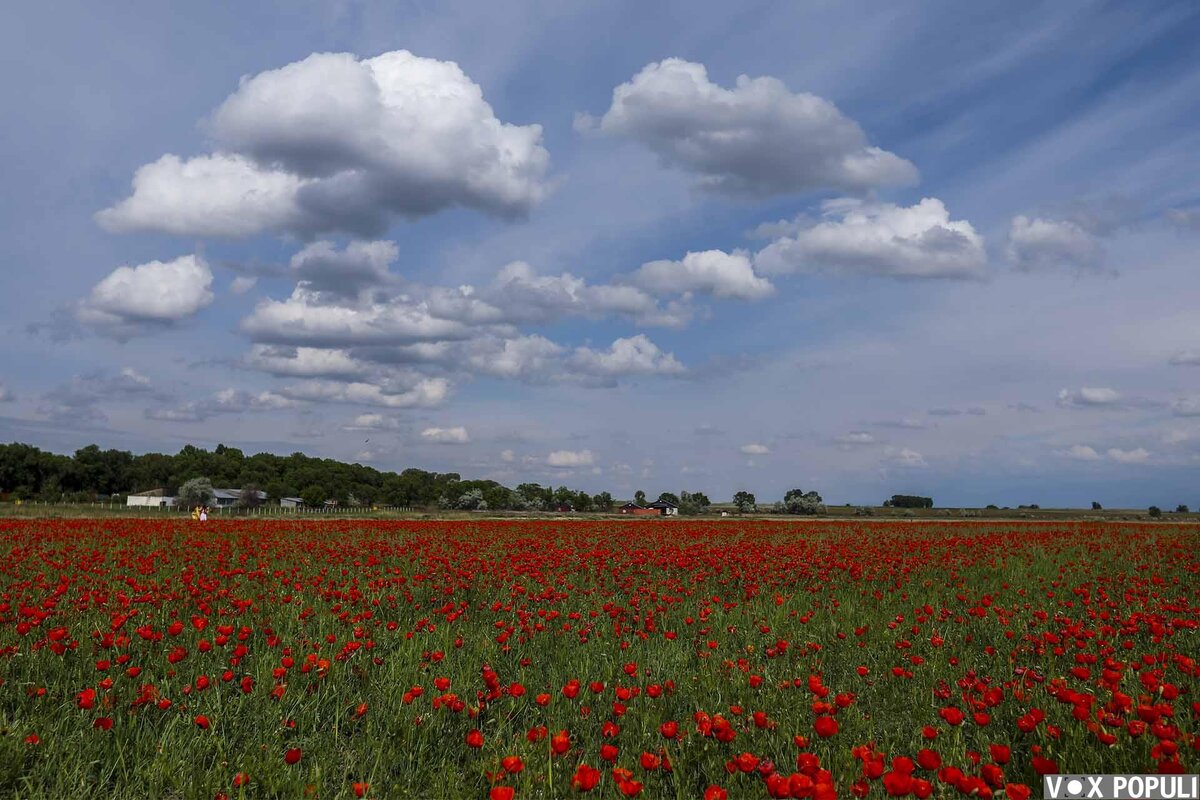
x: 639, y: 497
x: 669, y: 497
x: 1154, y: 511
x: 745, y: 502
x: 798, y: 501
x: 314, y: 495
x: 195, y: 492
x: 603, y: 501
x: 1096, y: 506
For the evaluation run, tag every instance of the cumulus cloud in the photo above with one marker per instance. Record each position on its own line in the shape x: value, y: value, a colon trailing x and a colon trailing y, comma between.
x: 226, y: 401
x: 1088, y: 396
x: 856, y: 438
x: 337, y: 143
x: 455, y: 435
x: 854, y: 237
x: 569, y: 459
x: 303, y: 362
x: 133, y: 300
x: 1136, y: 456
x: 419, y: 393
x: 523, y: 357
x: 345, y: 272
x: 373, y: 422
x: 715, y: 272
x: 905, y: 457
x: 636, y: 355
x: 755, y: 449
x: 305, y: 319
x: 758, y: 138
x: 1079, y: 452
x: 1039, y: 244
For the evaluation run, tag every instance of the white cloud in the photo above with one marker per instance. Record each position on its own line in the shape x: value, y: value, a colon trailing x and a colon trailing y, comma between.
x: 344, y: 272
x: 570, y: 458
x: 1186, y: 407
x: 507, y: 456
x: 132, y: 299
x: 6, y: 395
x: 303, y: 362
x: 422, y: 393
x: 755, y: 449
x: 223, y: 194
x: 712, y: 272
x: 1136, y: 456
x: 1176, y: 437
x: 1037, y: 244
x: 455, y: 435
x: 304, y: 319
x: 758, y: 138
x: 242, y: 284
x: 636, y: 355
x: 856, y: 438
x: 518, y: 357
x: 919, y: 241
x: 373, y: 422
x: 1186, y: 358
x: 905, y: 457
x: 336, y: 143
x: 1079, y: 452
x: 226, y: 401
x: 1089, y: 396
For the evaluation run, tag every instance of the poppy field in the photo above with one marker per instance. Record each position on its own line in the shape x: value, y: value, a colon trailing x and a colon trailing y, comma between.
x: 555, y: 658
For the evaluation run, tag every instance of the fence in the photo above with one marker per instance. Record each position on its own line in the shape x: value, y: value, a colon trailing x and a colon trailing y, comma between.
x: 265, y: 510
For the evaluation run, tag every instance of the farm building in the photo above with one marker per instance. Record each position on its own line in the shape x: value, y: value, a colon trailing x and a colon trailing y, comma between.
x: 291, y: 502
x: 154, y: 498
x: 652, y: 510
x: 224, y: 498
x: 664, y: 508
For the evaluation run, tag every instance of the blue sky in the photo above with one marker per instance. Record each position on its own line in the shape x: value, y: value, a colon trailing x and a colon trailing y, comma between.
x: 866, y: 248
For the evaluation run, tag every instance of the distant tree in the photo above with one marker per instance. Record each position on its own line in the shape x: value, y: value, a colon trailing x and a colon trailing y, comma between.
x: 276, y: 490
x: 603, y: 501
x: 1181, y: 509
x: 745, y: 502
x: 471, y: 500
x: 314, y: 496
x: 249, y: 498
x: 196, y: 492
x: 639, y: 497
x: 798, y: 501
x: 668, y: 497
x: 1155, y: 511
x: 1096, y: 506
x: 910, y: 501
x: 992, y: 507
x: 693, y: 503
x: 864, y: 511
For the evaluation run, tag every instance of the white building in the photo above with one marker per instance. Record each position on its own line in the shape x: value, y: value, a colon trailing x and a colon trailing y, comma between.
x: 154, y: 498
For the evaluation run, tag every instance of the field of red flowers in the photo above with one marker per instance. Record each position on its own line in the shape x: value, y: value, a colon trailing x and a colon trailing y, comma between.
x: 540, y: 659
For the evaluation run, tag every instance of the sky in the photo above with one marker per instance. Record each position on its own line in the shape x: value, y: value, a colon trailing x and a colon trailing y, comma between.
x: 933, y: 248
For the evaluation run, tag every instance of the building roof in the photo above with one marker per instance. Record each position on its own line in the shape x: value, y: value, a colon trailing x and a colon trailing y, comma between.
x: 632, y: 505
x: 149, y: 493
x: 234, y: 494
x: 662, y: 504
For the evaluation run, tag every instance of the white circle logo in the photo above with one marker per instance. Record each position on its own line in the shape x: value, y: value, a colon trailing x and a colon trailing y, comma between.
x: 1074, y: 786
